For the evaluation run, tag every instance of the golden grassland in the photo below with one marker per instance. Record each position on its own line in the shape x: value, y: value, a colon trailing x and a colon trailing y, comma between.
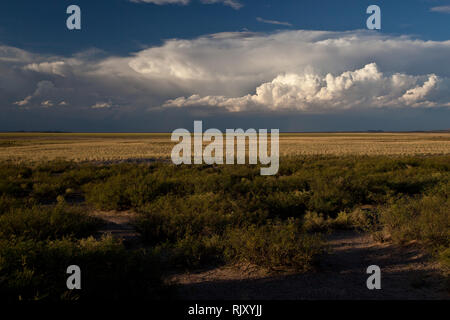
x: 120, y: 146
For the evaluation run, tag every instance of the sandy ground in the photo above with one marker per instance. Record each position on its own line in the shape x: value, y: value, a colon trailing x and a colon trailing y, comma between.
x: 406, y: 272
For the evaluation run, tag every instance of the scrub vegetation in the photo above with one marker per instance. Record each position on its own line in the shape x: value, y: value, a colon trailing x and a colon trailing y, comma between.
x: 200, y: 215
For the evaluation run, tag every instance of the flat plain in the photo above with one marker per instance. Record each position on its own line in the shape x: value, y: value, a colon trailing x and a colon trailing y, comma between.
x: 121, y: 146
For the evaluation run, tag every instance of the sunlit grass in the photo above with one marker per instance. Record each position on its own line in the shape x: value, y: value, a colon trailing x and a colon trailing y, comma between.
x: 120, y: 146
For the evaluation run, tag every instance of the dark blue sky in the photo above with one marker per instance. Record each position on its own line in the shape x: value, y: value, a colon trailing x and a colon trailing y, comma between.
x: 121, y: 27
x: 295, y: 65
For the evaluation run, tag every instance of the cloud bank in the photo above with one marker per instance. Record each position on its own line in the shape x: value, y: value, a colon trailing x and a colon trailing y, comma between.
x: 288, y: 71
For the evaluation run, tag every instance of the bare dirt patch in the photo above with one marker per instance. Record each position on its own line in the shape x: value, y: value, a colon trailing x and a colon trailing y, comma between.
x: 119, y: 224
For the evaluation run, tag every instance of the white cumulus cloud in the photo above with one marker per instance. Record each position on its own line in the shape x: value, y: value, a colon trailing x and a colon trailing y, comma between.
x: 362, y: 88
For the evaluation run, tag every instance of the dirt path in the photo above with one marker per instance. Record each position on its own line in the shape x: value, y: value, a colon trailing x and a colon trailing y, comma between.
x: 406, y: 274
x: 119, y: 225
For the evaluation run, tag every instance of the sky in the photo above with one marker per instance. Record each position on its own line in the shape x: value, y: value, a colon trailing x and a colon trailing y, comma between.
x: 158, y: 65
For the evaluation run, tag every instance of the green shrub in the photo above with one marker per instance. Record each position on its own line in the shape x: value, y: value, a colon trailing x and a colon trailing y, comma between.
x: 109, y: 195
x: 194, y: 251
x: 124, y: 191
x: 357, y: 219
x: 7, y: 203
x: 287, y: 204
x: 313, y: 222
x: 32, y: 270
x: 275, y: 244
x: 47, y: 222
x: 425, y: 218
x: 170, y: 218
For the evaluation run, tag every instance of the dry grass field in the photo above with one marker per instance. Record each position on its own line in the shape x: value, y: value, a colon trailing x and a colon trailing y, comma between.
x: 120, y: 146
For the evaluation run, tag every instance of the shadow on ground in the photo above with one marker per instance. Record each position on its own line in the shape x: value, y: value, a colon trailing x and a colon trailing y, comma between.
x: 406, y: 273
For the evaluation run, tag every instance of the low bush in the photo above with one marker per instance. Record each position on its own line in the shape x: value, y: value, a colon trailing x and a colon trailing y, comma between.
x: 36, y: 270
x: 275, y: 244
x: 195, y: 251
x: 47, y: 222
x: 425, y: 218
x: 171, y: 218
